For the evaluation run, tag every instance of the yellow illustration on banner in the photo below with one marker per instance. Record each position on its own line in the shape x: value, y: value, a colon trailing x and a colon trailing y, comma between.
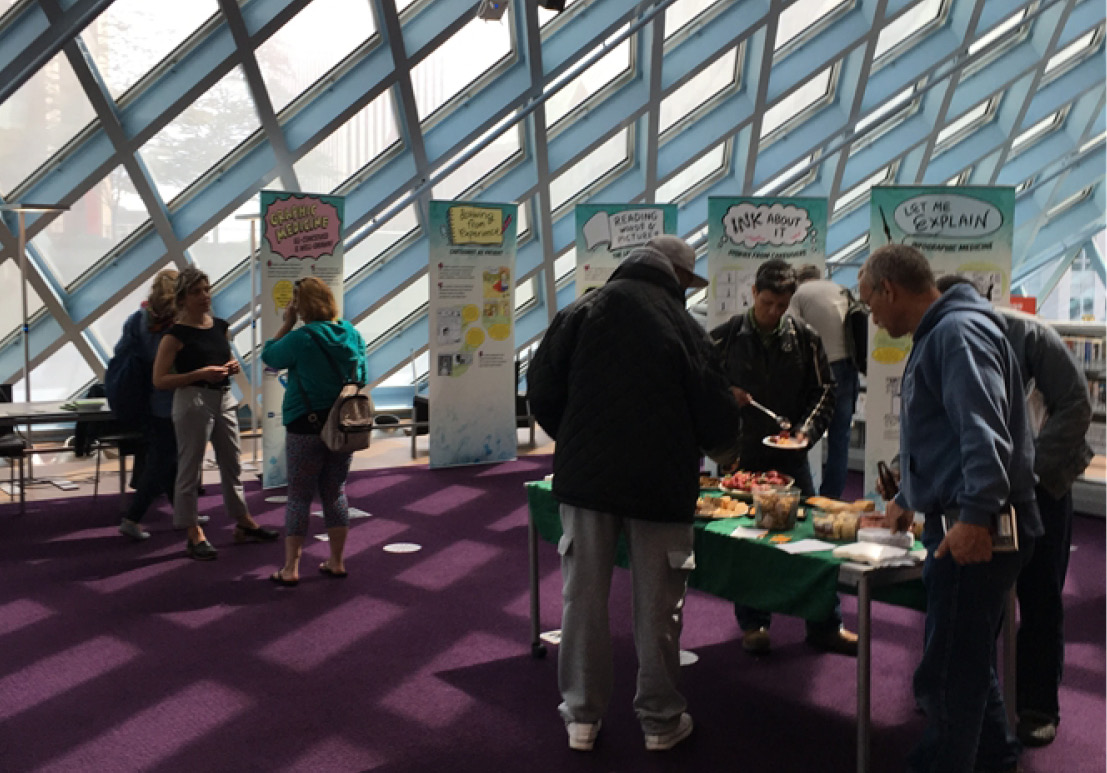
x: 282, y: 294
x: 497, y: 302
x: 888, y: 350
x: 476, y: 225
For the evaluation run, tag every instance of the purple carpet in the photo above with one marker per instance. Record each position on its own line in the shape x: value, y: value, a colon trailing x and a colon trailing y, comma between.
x: 121, y: 656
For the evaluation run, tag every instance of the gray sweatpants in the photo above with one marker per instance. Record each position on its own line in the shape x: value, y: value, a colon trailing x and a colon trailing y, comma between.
x: 661, y: 558
x: 199, y: 414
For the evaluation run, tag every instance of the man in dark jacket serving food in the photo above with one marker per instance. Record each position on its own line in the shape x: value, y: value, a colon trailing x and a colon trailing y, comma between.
x: 779, y: 362
x: 627, y: 384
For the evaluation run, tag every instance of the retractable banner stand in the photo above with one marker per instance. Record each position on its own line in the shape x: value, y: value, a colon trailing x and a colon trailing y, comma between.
x: 965, y: 231
x: 472, y: 332
x: 301, y: 237
x: 606, y: 233
x: 744, y: 232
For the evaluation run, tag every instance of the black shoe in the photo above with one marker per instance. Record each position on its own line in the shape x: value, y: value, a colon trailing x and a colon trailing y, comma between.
x: 201, y: 551
x: 255, y: 534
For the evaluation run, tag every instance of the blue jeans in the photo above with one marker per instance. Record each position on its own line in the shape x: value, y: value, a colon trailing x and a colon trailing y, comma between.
x: 837, y: 434
x: 1041, y: 645
x: 955, y: 684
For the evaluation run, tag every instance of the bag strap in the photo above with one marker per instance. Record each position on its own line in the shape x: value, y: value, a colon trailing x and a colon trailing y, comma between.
x: 352, y: 378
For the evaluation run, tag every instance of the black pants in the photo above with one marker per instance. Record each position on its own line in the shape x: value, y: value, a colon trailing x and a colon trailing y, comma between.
x: 1041, y: 642
x: 159, y: 470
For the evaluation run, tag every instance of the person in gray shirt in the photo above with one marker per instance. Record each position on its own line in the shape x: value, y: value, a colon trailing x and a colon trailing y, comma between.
x: 822, y: 304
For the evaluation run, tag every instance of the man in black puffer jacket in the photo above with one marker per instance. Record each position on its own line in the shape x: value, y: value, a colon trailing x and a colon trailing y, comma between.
x: 627, y: 384
x: 779, y: 362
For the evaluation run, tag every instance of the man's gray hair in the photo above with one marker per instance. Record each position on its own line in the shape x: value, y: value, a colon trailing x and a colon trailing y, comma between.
x: 901, y: 265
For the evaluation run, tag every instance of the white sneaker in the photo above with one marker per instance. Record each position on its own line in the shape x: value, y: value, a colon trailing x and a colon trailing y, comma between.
x: 662, y: 742
x: 131, y: 529
x: 582, y: 735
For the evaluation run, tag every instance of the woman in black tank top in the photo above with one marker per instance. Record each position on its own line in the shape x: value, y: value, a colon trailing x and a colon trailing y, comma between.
x: 195, y: 359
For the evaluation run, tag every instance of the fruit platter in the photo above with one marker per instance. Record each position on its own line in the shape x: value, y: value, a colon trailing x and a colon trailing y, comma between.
x: 742, y: 482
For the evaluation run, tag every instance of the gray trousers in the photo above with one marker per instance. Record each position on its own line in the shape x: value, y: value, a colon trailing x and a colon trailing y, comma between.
x: 661, y: 558
x: 200, y: 414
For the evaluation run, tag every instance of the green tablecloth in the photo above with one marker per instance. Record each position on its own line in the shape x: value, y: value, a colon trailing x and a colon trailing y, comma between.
x: 752, y: 572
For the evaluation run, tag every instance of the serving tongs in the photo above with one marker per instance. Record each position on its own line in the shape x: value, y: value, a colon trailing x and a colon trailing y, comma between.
x: 784, y: 424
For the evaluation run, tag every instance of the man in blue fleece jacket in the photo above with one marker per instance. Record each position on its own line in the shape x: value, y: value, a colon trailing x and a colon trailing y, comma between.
x: 966, y: 451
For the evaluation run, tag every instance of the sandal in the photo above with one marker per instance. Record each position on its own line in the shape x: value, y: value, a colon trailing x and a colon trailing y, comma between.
x: 326, y: 569
x: 255, y: 534
x: 279, y: 579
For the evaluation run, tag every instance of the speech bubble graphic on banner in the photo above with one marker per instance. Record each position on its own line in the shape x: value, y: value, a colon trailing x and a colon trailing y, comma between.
x: 776, y: 224
x: 476, y: 225
x: 951, y: 215
x: 301, y: 227
x: 621, y: 230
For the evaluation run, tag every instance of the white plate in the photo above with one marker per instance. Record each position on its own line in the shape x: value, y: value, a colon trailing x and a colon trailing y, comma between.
x: 791, y: 445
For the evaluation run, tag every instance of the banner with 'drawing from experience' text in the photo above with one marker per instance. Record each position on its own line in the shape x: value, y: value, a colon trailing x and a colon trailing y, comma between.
x: 301, y: 235
x: 472, y: 332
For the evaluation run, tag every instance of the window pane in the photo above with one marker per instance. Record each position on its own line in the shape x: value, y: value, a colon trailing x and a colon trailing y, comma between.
x: 350, y: 148
x: 458, y: 62
x: 860, y: 191
x: 206, y: 131
x: 713, y: 79
x: 1079, y: 46
x: 545, y: 16
x: 290, y: 61
x: 404, y: 304
x: 606, y: 69
x: 59, y: 378
x: 695, y: 173
x: 795, y: 103
x: 907, y: 25
x: 788, y: 177
x: 377, y: 243
x: 681, y: 12
x: 479, y: 166
x: 589, y: 169
x: 11, y: 311
x: 888, y: 107
x: 98, y: 221
x: 565, y: 265
x: 973, y: 116
x: 109, y: 327
x: 131, y: 36
x: 1039, y: 129
x: 37, y: 120
x: 227, y: 245
x: 802, y: 15
x: 997, y: 32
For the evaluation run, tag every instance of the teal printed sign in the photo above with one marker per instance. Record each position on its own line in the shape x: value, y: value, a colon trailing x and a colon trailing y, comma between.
x: 472, y: 332
x: 961, y: 230
x: 744, y: 232
x: 606, y: 233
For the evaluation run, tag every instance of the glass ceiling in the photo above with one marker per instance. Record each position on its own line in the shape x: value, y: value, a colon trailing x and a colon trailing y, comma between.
x: 157, y: 124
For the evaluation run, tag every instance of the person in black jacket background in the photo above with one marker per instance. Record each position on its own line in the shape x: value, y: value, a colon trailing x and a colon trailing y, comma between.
x: 627, y: 384
x: 779, y: 362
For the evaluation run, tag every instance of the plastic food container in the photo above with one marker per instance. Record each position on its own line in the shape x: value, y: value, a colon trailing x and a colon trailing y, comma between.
x: 776, y: 507
x: 883, y: 536
x: 841, y: 526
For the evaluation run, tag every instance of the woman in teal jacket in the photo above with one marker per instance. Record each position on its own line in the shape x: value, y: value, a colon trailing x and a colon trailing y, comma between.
x: 320, y: 356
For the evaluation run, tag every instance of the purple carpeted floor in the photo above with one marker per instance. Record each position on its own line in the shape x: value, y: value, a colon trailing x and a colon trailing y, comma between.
x: 120, y: 656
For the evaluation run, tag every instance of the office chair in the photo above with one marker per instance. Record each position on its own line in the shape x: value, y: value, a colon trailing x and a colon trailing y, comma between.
x: 13, y: 447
